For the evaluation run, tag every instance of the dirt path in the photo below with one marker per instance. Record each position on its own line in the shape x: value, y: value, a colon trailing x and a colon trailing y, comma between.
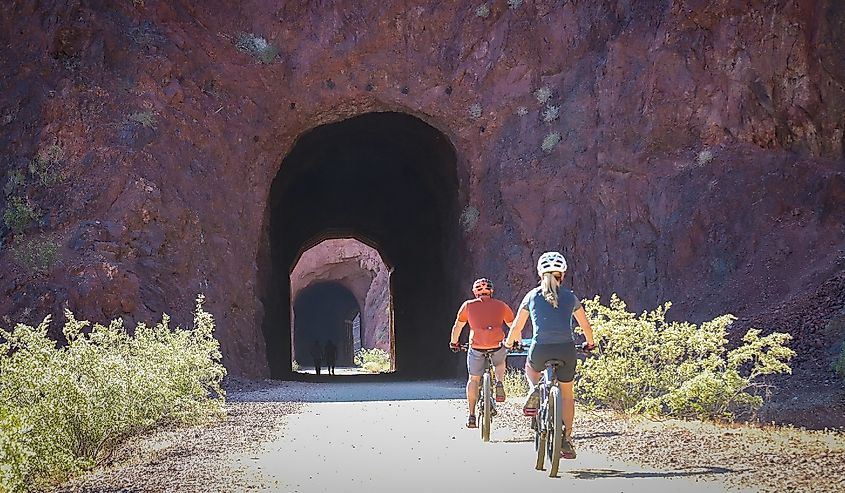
x: 374, y: 437
x: 410, y: 437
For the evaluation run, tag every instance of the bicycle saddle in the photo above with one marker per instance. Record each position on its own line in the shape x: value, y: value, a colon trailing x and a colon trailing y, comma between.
x: 554, y: 362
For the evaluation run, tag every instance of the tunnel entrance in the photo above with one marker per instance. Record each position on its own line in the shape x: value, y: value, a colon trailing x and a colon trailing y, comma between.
x: 324, y: 313
x: 391, y: 181
x: 359, y: 302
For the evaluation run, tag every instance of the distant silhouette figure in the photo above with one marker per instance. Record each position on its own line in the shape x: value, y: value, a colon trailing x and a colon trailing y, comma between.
x: 317, y: 355
x: 330, y: 351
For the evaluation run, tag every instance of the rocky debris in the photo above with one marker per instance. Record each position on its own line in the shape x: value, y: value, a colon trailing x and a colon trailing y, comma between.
x: 190, y: 459
x: 762, y: 458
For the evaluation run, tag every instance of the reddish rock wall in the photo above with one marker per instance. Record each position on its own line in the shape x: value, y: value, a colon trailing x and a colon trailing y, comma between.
x: 696, y: 154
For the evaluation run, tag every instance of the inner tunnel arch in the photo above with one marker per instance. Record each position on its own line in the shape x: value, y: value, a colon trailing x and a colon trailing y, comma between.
x: 320, y: 311
x: 392, y: 181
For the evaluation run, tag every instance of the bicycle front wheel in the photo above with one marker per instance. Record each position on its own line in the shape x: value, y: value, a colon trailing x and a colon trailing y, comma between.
x: 555, y: 439
x: 540, y: 437
x: 487, y: 406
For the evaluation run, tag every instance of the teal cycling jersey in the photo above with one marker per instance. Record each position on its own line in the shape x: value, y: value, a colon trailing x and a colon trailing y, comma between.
x: 551, y: 325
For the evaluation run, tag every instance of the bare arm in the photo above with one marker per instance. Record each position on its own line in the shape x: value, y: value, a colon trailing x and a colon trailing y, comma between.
x: 456, y: 331
x: 581, y: 317
x: 516, y: 327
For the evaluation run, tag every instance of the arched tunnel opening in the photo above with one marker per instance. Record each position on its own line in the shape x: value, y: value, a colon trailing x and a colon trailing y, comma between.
x: 323, y: 312
x: 391, y: 180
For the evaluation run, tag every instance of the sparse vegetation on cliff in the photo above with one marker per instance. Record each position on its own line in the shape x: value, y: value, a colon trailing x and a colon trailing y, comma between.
x: 839, y: 364
x: 45, y: 167
x: 19, y: 213
x: 550, y: 113
x: 550, y: 141
x: 256, y: 46
x: 65, y: 409
x: 37, y: 255
x: 475, y: 111
x: 146, y: 119
x: 543, y: 94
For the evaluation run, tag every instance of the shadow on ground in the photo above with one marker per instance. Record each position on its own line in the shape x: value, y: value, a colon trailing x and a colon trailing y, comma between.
x: 615, y: 473
x: 346, y: 389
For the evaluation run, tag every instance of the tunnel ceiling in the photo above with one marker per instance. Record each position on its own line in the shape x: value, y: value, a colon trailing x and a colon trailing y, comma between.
x: 388, y: 178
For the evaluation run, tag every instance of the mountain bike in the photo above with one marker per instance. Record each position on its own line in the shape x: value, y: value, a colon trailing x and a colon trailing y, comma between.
x: 548, y: 422
x: 486, y: 404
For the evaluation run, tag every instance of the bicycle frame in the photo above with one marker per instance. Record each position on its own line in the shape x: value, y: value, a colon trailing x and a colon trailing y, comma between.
x: 548, y: 424
x: 485, y: 407
x: 485, y: 397
x: 549, y: 428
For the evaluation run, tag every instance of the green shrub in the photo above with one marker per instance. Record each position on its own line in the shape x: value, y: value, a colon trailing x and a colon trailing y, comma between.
x: 515, y: 382
x: 65, y: 409
x: 839, y: 364
x: 649, y: 365
x: 19, y: 214
x: 37, y: 255
x: 373, y: 360
x: 15, y: 456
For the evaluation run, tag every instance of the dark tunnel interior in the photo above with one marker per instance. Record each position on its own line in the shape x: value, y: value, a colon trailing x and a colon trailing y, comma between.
x: 321, y: 312
x: 391, y: 180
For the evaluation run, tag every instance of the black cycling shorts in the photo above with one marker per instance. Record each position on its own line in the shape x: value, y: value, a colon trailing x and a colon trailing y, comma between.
x: 538, y: 354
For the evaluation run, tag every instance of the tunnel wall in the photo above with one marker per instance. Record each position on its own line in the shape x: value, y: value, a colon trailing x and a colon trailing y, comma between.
x: 686, y: 150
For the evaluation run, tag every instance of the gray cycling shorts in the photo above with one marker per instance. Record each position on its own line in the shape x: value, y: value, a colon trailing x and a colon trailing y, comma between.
x: 475, y: 360
x: 538, y: 354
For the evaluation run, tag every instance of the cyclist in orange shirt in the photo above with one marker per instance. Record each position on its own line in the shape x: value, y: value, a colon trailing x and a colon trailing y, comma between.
x: 485, y: 316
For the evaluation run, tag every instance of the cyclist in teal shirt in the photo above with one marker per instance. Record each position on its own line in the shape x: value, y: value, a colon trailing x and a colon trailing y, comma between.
x: 552, y: 309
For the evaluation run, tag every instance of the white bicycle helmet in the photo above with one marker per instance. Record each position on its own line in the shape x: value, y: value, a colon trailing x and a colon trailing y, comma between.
x: 551, y: 262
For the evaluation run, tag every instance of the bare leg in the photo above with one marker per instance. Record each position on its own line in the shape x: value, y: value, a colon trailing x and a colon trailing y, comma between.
x: 567, y: 393
x: 532, y: 376
x: 472, y: 392
x: 499, y: 370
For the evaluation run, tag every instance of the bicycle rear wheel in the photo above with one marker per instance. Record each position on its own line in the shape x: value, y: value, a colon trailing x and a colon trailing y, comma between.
x: 487, y: 406
x: 555, y: 438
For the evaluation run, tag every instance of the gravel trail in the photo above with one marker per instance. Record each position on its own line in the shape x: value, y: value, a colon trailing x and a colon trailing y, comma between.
x: 410, y: 436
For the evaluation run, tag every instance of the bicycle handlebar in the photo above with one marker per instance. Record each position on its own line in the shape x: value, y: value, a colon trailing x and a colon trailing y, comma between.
x: 517, y: 347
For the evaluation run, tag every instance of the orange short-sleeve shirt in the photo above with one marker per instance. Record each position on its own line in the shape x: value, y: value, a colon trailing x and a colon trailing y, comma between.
x: 485, y: 316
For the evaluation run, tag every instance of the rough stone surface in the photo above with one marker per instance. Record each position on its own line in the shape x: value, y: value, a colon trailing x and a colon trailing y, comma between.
x: 689, y: 151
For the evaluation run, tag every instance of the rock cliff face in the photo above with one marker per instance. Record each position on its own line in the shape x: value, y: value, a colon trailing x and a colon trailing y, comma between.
x: 673, y: 150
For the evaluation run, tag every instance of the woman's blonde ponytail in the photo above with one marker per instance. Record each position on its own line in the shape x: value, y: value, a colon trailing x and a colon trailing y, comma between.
x: 550, y: 286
